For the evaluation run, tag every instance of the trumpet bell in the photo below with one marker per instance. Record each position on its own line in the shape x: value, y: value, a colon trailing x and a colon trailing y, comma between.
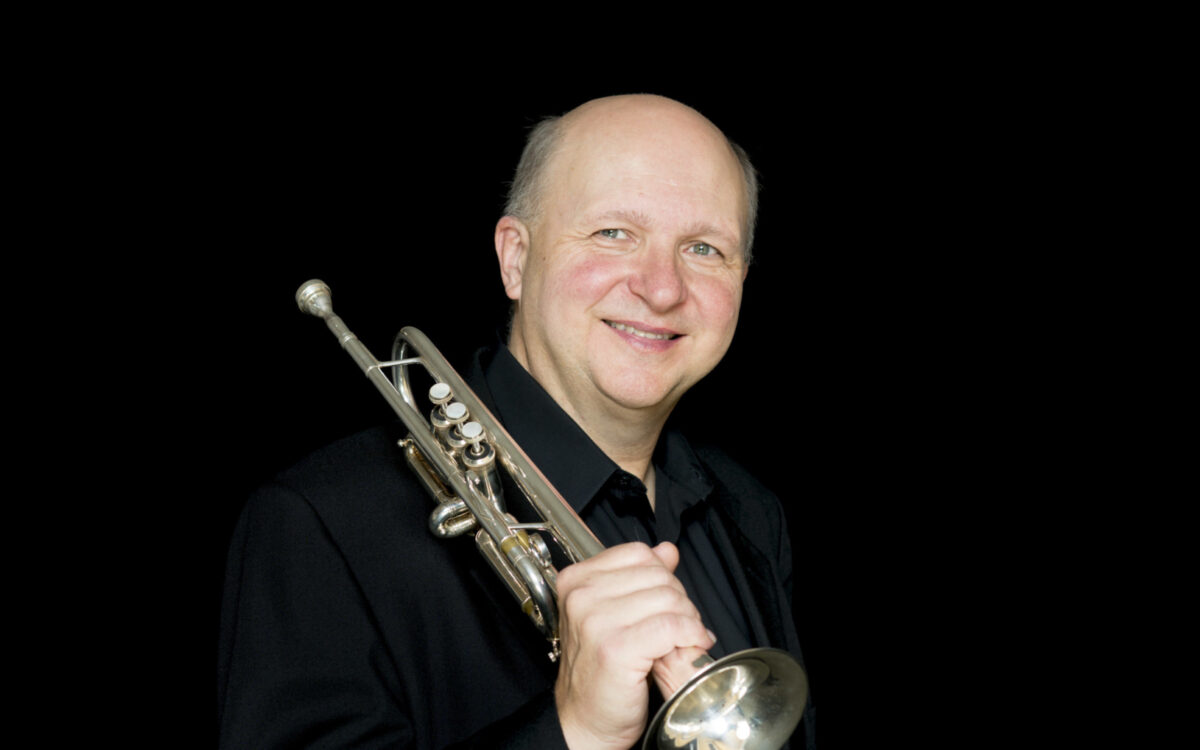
x: 750, y: 700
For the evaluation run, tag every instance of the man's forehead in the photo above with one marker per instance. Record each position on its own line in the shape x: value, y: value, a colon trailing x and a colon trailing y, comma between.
x: 642, y: 132
x: 626, y: 121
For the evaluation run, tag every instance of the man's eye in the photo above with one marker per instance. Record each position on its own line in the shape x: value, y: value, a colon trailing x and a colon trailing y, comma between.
x: 703, y: 249
x: 613, y: 234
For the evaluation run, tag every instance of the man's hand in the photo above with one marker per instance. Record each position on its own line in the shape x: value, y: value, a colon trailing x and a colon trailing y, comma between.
x: 621, y: 612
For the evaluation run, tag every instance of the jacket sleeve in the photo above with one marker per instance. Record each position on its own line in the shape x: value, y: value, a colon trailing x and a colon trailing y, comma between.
x: 300, y: 663
x: 301, y: 660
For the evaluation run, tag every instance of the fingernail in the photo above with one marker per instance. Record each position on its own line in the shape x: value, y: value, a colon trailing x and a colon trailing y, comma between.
x: 712, y: 635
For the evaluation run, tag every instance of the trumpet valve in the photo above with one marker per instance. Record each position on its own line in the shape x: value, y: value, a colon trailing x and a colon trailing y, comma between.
x: 479, y: 453
x: 440, y: 394
x: 450, y: 415
x: 445, y: 419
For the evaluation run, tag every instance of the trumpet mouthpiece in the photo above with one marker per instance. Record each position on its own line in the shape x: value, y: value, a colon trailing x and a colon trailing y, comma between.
x: 314, y: 298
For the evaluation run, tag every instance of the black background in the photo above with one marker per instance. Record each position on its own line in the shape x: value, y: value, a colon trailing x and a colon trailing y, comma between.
x: 872, y: 382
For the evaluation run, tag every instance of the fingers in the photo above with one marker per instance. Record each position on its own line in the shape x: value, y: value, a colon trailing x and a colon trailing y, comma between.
x: 616, y: 584
x: 625, y: 556
x: 648, y: 622
x: 621, y: 612
x: 624, y: 586
x: 673, y: 670
x: 627, y: 606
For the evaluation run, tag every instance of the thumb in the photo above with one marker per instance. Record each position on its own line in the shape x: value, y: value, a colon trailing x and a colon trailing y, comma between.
x: 668, y: 555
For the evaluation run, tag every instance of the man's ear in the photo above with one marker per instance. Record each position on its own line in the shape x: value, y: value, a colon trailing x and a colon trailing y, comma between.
x: 512, y: 250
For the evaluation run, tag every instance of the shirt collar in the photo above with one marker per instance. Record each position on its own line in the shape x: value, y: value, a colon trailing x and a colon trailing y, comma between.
x: 560, y: 448
x: 572, y: 462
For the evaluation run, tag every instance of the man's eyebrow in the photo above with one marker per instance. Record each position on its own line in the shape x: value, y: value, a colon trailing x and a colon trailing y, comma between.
x: 630, y: 216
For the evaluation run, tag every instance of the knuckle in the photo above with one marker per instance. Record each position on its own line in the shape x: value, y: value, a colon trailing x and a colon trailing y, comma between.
x: 663, y: 578
x: 589, y: 630
x: 566, y: 578
x: 680, y: 627
x: 576, y: 602
x: 672, y: 598
x: 635, y: 552
x: 608, y: 652
x: 673, y: 622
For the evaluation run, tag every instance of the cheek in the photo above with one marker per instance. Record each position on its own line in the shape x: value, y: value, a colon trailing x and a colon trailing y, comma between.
x: 585, y: 282
x: 718, y: 302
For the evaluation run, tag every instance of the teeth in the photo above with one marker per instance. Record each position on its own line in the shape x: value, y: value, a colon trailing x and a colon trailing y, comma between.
x: 640, y: 334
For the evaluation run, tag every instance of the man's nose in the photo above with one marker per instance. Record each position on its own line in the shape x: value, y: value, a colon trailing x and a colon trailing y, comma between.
x: 658, y: 278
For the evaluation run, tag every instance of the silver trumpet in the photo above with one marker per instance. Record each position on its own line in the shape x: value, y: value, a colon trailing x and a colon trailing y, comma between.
x: 750, y: 700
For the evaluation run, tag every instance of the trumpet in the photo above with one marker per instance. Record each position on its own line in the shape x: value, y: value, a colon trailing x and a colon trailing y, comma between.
x: 750, y: 700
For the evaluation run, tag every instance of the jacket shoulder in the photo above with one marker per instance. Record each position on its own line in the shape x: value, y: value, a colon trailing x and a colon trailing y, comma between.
x: 349, y: 461
x: 358, y: 486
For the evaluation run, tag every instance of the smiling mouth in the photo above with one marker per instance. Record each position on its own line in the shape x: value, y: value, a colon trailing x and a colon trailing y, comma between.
x: 640, y: 333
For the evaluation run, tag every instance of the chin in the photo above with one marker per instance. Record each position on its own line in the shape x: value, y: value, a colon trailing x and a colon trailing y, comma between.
x: 643, y: 393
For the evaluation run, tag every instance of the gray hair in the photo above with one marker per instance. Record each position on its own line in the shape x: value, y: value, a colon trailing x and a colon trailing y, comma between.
x: 524, y: 193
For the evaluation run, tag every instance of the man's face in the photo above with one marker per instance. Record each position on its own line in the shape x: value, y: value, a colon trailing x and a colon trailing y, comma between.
x: 631, y: 282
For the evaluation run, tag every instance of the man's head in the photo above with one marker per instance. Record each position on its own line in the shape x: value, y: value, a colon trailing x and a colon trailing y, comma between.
x: 627, y: 265
x: 525, y: 193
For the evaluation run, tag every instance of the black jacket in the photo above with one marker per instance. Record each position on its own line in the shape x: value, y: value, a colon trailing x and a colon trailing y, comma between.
x: 347, y: 624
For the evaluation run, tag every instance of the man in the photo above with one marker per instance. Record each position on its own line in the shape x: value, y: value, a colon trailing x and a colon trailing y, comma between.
x: 346, y: 624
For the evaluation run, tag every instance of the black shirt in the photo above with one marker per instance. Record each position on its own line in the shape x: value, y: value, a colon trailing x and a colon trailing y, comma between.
x: 613, y: 502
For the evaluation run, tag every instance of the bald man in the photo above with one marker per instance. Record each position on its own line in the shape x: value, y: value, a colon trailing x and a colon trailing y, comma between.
x: 624, y: 248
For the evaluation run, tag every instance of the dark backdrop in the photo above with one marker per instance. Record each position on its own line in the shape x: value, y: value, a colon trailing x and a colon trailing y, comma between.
x: 850, y: 387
